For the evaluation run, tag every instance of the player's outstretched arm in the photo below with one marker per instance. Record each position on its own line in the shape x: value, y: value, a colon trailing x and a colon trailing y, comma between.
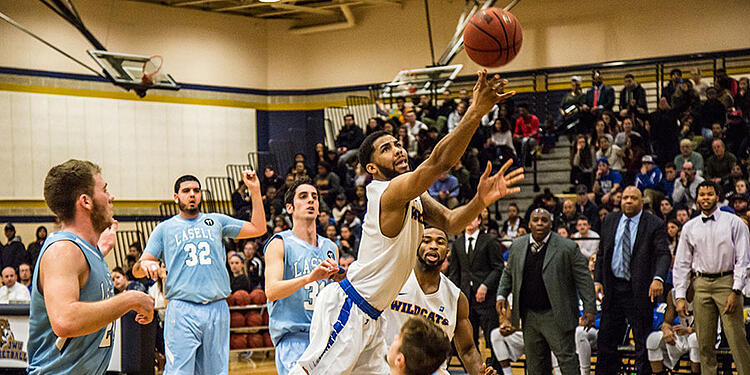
x: 62, y: 270
x: 464, y: 339
x: 278, y: 288
x: 490, y: 189
x: 448, y: 151
x: 256, y: 227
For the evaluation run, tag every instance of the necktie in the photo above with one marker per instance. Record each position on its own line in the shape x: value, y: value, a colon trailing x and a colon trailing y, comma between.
x: 536, y: 246
x: 471, y: 246
x: 626, y: 250
x: 596, y: 96
x: 710, y: 218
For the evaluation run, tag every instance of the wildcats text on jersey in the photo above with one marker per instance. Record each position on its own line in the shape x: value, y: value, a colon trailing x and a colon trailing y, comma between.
x: 409, y: 308
x: 192, y: 233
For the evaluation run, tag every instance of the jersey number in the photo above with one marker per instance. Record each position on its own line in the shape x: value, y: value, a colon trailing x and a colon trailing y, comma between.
x: 312, y: 292
x: 198, y: 254
x: 107, y: 338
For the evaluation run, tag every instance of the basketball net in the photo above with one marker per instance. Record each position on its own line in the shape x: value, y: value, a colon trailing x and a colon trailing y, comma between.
x: 151, y: 68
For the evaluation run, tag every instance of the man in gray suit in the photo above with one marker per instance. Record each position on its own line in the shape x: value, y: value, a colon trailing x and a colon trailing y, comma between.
x: 546, y: 274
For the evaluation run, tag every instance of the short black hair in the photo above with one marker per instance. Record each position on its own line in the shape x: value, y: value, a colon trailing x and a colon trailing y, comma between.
x: 629, y: 76
x: 676, y: 71
x: 523, y: 105
x: 289, y: 195
x: 185, y: 178
x: 583, y: 217
x: 670, y: 165
x: 349, y: 115
x: 708, y: 183
x: 366, y: 148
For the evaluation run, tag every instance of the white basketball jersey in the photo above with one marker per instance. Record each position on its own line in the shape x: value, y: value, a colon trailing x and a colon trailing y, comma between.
x: 384, y: 264
x: 440, y: 308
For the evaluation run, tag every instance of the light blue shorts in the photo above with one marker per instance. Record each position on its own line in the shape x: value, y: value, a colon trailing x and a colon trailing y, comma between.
x: 289, y: 349
x: 196, y: 338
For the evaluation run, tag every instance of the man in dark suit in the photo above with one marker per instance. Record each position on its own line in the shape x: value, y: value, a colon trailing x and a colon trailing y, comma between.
x: 600, y: 96
x: 632, y: 98
x: 546, y: 274
x: 476, y: 264
x: 631, y: 266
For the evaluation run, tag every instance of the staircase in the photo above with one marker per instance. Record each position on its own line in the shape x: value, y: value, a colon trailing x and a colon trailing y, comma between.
x: 553, y: 173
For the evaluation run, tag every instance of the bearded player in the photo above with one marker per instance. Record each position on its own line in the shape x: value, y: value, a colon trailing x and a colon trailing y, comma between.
x: 196, y: 327
x: 346, y: 334
x: 431, y: 294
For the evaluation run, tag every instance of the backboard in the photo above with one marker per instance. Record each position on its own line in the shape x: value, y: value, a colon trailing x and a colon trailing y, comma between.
x: 412, y: 82
x: 127, y: 71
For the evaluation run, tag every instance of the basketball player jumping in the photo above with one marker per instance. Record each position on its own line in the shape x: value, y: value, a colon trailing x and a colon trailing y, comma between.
x: 431, y: 294
x: 73, y: 307
x: 346, y: 335
x: 196, y: 328
x: 299, y: 264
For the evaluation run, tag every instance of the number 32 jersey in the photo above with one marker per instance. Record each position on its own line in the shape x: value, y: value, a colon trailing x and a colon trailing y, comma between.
x: 293, y: 314
x: 193, y: 252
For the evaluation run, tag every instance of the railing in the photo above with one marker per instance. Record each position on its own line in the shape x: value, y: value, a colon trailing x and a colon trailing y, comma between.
x: 219, y: 195
x: 234, y: 171
x: 124, y: 239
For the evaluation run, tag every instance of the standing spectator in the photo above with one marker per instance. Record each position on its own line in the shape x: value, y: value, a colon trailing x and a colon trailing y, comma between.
x: 665, y: 132
x: 546, y: 273
x: 715, y: 246
x: 456, y: 115
x: 613, y: 153
x: 349, y: 138
x: 526, y: 134
x: 719, y: 165
x: 445, y: 190
x: 241, y: 205
x: 13, y: 253
x: 742, y: 98
x: 632, y: 98
x: 328, y: 183
x: 588, y: 239
x: 649, y: 180
x: 583, y: 162
x: 599, y: 97
x: 607, y: 180
x: 686, y: 187
x: 631, y: 267
x: 11, y: 291
x: 669, y: 90
x: 736, y: 131
x: 514, y: 221
x: 35, y: 247
x: 475, y: 267
x: 687, y: 154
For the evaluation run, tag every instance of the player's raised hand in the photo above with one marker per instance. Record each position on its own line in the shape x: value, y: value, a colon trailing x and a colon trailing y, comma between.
x: 487, y: 93
x: 250, y: 178
x: 324, y: 270
x: 492, y: 188
x: 108, y: 238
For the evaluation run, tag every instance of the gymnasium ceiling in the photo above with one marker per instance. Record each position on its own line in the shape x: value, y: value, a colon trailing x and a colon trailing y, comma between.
x: 304, y: 10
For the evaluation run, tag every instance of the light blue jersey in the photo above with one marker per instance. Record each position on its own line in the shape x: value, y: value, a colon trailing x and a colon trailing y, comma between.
x: 293, y: 314
x: 193, y: 252
x: 87, y: 354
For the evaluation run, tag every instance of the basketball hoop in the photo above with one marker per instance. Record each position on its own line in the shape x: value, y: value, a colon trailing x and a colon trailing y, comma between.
x: 151, y: 68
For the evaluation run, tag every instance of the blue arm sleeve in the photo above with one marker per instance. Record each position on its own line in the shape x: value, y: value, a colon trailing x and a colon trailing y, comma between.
x: 230, y: 227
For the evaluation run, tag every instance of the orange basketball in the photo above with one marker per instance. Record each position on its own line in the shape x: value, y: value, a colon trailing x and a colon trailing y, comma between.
x: 253, y: 319
x: 493, y: 37
x: 237, y: 342
x: 258, y: 297
x: 241, y: 298
x: 265, y: 318
x: 254, y: 340
x: 267, y: 342
x: 230, y: 300
x: 236, y: 319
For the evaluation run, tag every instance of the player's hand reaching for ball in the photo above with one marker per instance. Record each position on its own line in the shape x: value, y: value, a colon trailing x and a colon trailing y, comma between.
x: 143, y: 304
x: 492, y: 188
x: 487, y: 93
x: 251, y: 181
x: 324, y: 270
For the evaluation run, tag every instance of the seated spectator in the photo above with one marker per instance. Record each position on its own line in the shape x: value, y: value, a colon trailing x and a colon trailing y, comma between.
x: 635, y: 149
x: 546, y: 200
x: 340, y: 206
x: 514, y: 221
x: 425, y: 110
x: 670, y: 176
x: 632, y: 98
x: 567, y: 218
x: 272, y: 203
x: 682, y: 215
x: 14, y: 252
x: 448, y: 104
x: 603, y: 212
x: 349, y: 138
x: 300, y: 171
x: 352, y: 222
x: 241, y: 205
x: 615, y: 199
x: 413, y: 125
x: 607, y: 180
x: 739, y: 205
x: 499, y: 146
x: 699, y: 85
x: 456, y: 115
x: 348, y: 242
x: 374, y: 124
x: 711, y: 112
x: 687, y: 154
x: 332, y: 233
x: 685, y: 188
x: 600, y: 129
x: 666, y: 209
x: 346, y: 260
x: 445, y: 190
x: 728, y: 184
x: 736, y: 131
x: 359, y: 205
x: 526, y: 134
x: 613, y: 153
x: 238, y: 278
x: 328, y: 184
x: 727, y: 87
x: 686, y: 98
x: 11, y: 291
x: 588, y: 240
x: 488, y: 224
x: 465, y: 188
x: 408, y: 142
x: 664, y: 132
x: 599, y: 97
x: 255, y: 267
x: 742, y: 99
x: 586, y: 207
x: 324, y: 220
x: 649, y: 180
x: 621, y: 139
x: 563, y: 232
x: 270, y: 178
x: 719, y: 164
x: 673, y: 234
x: 24, y: 275
x: 583, y: 163
x: 675, y: 78
x: 35, y: 247
x: 122, y: 283
x: 740, y: 188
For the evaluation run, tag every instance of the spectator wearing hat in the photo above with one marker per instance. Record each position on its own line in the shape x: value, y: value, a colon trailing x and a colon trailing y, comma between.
x: 649, y: 180
x: 585, y: 206
x: 612, y: 152
x: 14, y: 253
x: 632, y: 97
x: 687, y: 154
x: 607, y: 180
x: 719, y: 164
x: 340, y: 207
x: 445, y: 190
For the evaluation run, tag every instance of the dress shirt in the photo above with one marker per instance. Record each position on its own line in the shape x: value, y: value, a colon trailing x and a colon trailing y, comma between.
x: 473, y: 236
x: 713, y: 246
x: 17, y: 293
x: 617, y: 253
x: 531, y: 243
